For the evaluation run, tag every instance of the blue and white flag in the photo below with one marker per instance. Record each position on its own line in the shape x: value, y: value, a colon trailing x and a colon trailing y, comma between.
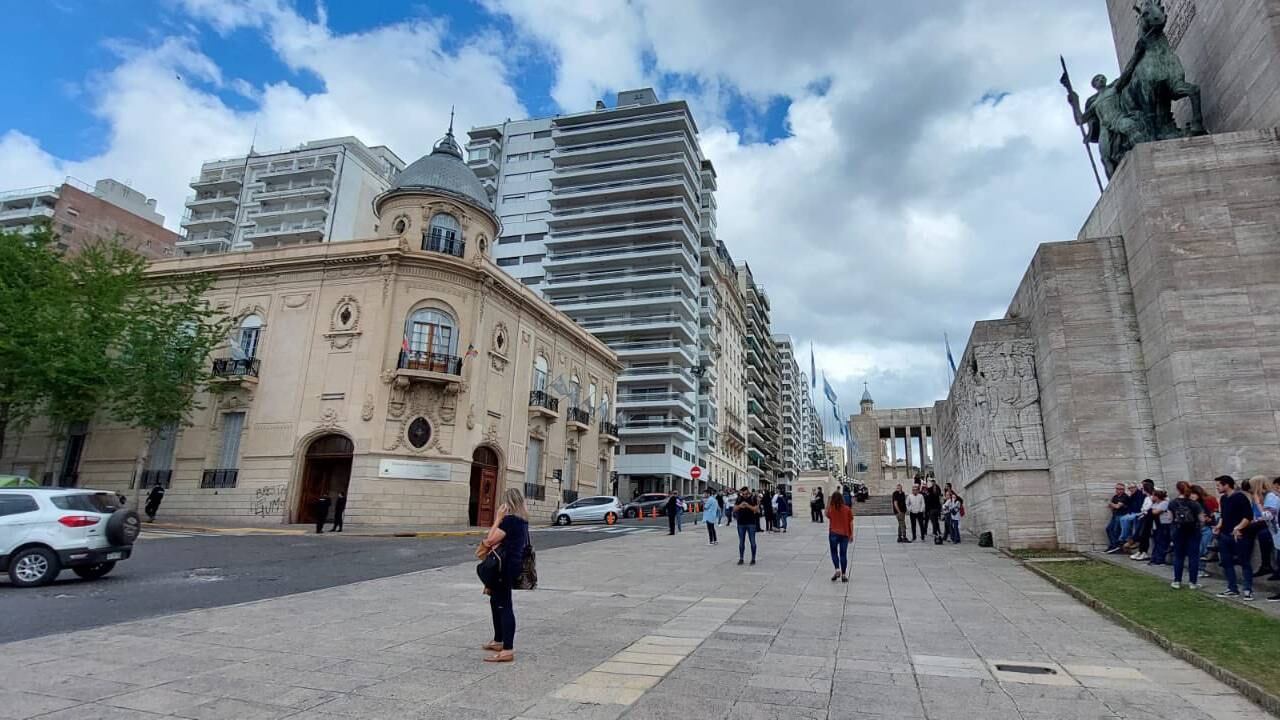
x: 950, y: 359
x: 826, y: 389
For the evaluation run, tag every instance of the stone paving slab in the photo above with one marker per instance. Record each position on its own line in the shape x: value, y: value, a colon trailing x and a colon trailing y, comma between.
x: 637, y: 626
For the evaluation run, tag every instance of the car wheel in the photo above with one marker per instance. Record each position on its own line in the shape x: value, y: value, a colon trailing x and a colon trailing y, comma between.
x: 93, y: 572
x: 611, y: 518
x: 563, y: 520
x: 123, y: 527
x: 34, y: 566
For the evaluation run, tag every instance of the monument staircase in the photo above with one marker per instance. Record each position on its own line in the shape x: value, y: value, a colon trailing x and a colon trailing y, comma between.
x: 875, y: 505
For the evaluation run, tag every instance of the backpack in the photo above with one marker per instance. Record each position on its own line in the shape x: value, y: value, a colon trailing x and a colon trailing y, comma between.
x: 1184, y: 515
x: 528, y: 578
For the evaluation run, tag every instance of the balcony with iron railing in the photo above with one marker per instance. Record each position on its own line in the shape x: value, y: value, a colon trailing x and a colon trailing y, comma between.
x: 225, y: 178
x: 236, y: 368
x: 429, y: 367
x: 296, y: 166
x: 534, y: 491
x: 154, y: 478
x: 544, y: 403
x: 578, y: 418
x: 444, y: 244
x: 609, y: 431
x: 219, y: 478
x: 193, y: 219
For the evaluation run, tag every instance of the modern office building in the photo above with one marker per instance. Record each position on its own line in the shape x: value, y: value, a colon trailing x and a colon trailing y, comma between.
x: 790, y: 412
x: 321, y: 190
x: 610, y: 215
x: 762, y: 384
x: 79, y: 214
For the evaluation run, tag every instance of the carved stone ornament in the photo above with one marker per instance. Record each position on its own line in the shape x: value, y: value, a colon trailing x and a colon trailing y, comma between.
x: 366, y: 410
x: 400, y: 438
x: 329, y: 418
x: 297, y: 301
x: 344, y: 323
x: 491, y: 432
x: 536, y: 430
x: 571, y: 443
x: 471, y: 418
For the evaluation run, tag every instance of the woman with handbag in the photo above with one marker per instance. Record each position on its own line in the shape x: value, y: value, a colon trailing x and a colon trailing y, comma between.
x: 502, y: 559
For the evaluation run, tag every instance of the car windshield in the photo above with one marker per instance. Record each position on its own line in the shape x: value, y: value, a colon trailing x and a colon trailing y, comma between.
x: 105, y: 503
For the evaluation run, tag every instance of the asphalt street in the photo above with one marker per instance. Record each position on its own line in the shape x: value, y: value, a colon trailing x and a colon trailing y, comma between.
x: 173, y: 574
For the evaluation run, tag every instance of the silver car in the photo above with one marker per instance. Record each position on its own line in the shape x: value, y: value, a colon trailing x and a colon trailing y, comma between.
x: 595, y: 508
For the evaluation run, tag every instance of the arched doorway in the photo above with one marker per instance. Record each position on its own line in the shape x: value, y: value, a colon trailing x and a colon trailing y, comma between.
x: 326, y: 471
x: 484, y: 487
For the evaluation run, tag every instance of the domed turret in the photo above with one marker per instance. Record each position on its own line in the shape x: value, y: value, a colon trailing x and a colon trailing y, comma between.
x: 442, y: 171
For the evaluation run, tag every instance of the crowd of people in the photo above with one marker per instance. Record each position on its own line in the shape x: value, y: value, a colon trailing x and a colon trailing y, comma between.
x: 928, y: 508
x: 1234, y: 526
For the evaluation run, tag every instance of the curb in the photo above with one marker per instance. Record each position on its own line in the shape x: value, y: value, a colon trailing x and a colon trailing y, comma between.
x: 1255, y: 693
x: 429, y: 534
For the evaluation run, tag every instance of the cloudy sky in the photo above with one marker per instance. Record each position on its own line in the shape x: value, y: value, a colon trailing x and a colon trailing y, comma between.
x: 887, y: 169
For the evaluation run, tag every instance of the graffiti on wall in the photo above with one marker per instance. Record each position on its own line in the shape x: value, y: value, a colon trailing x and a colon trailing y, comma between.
x: 270, y: 500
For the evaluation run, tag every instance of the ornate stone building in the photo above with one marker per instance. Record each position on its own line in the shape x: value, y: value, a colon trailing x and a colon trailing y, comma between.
x: 895, y: 445
x: 406, y: 370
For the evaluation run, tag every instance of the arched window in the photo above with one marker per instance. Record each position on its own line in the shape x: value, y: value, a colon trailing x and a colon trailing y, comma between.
x: 540, y: 373
x: 431, y: 333
x: 444, y: 235
x: 591, y: 398
x: 575, y: 390
x: 250, y: 333
x: 604, y: 407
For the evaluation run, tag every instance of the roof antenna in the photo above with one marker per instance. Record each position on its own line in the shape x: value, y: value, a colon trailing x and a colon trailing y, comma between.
x: 450, y: 120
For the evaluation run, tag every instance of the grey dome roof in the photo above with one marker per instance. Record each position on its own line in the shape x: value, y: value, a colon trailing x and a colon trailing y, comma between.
x: 866, y: 393
x: 443, y: 170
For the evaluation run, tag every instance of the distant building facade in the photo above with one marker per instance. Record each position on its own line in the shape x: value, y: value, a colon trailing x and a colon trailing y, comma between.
x: 894, y: 445
x: 79, y: 214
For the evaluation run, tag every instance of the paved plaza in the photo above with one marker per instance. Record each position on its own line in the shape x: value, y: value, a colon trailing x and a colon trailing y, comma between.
x: 641, y: 625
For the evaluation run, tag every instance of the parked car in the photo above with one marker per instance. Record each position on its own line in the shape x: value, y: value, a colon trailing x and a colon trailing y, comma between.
x: 646, y: 503
x: 598, y: 507
x: 46, y: 530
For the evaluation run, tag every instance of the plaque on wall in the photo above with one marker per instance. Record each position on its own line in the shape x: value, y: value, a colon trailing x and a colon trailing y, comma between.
x: 413, y: 469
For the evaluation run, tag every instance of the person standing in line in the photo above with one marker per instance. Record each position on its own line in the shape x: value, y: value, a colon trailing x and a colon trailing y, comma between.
x: 933, y: 506
x: 1161, y: 522
x: 839, y: 533
x: 952, y: 509
x: 322, y: 512
x: 509, y: 536
x: 670, y: 509
x: 339, y: 507
x: 1211, y: 507
x: 1271, y: 513
x: 747, y: 510
x: 1186, y: 518
x: 767, y: 507
x: 1235, y: 546
x: 915, y: 508
x: 1262, y: 532
x: 817, y: 506
x: 900, y: 510
x: 1118, y: 504
x: 711, y: 512
x: 153, y: 501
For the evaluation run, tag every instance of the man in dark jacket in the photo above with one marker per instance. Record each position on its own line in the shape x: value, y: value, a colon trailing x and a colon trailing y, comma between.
x: 933, y: 506
x: 153, y: 501
x: 322, y: 512
x: 670, y: 509
x: 339, y: 507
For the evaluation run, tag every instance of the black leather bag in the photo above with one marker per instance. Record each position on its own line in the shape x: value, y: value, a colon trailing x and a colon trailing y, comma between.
x: 490, y: 570
x: 528, y: 579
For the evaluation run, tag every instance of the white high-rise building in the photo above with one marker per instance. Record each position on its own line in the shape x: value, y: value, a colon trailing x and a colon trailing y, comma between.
x: 790, y: 411
x: 609, y: 214
x: 322, y: 190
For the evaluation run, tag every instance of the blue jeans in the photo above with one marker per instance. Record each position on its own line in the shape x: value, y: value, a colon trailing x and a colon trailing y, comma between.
x: 1206, y: 538
x: 1113, y: 532
x: 782, y: 521
x: 679, y: 521
x: 1232, y: 552
x: 1186, y: 546
x: 839, y: 552
x: 1160, y: 544
x: 953, y: 529
x: 749, y: 529
x: 1126, y: 526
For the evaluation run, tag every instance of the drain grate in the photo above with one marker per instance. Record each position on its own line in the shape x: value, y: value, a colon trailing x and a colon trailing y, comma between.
x: 1026, y: 669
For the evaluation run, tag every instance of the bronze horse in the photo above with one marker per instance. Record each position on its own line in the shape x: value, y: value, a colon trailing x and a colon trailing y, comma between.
x: 1159, y: 79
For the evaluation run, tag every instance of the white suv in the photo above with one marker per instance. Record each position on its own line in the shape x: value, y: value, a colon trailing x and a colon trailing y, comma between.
x: 44, y: 530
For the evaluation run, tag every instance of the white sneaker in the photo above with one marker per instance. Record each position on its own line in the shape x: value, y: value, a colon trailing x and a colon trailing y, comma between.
x: 1176, y: 585
x: 1194, y: 586
x: 1136, y: 556
x: 1142, y: 556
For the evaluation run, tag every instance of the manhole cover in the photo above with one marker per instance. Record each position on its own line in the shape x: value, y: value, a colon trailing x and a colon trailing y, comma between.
x: 1026, y: 669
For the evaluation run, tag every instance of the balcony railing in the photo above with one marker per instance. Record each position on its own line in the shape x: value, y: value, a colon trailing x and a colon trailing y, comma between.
x: 430, y: 362
x: 608, y: 428
x: 221, y: 478
x: 544, y: 399
x: 152, y: 478
x: 534, y: 491
x: 569, y: 496
x: 579, y: 415
x: 236, y: 367
x: 443, y: 244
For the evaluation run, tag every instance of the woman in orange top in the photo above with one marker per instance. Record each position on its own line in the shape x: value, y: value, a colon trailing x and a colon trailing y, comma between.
x: 839, y: 534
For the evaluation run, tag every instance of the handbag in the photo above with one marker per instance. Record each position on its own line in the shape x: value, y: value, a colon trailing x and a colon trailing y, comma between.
x: 490, y: 569
x: 528, y: 578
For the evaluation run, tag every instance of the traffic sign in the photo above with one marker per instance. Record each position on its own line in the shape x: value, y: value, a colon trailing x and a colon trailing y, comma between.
x: 695, y: 472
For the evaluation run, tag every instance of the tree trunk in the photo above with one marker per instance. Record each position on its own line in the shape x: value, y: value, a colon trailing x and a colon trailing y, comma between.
x: 139, y: 466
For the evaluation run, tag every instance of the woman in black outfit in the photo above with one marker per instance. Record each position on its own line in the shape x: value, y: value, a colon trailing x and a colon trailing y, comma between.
x: 510, y: 537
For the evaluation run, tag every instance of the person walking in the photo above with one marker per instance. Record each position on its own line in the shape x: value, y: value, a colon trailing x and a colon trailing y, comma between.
x: 1235, y: 546
x: 153, y: 501
x: 900, y: 510
x: 784, y: 510
x: 727, y: 504
x: 670, y: 509
x: 933, y: 506
x: 681, y: 507
x: 1186, y: 519
x: 1118, y: 505
x: 321, y: 505
x: 747, y: 510
x: 817, y: 506
x: 509, y: 537
x: 1161, y: 521
x: 915, y: 508
x: 839, y: 533
x: 711, y: 512
x: 339, y: 507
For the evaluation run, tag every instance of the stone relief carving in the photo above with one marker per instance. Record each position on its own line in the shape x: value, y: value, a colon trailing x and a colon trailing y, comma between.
x: 329, y: 418
x: 344, y: 323
x: 297, y: 301
x: 366, y: 410
x: 491, y: 432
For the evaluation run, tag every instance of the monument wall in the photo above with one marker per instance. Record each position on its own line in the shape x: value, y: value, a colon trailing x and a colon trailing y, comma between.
x: 989, y: 441
x: 1228, y: 48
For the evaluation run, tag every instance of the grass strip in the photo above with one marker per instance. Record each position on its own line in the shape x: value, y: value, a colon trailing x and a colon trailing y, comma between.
x: 1241, y: 640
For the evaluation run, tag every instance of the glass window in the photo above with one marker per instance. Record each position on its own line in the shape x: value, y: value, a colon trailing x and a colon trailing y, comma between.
x: 533, y: 258
x: 161, y: 455
x: 508, y: 262
x: 232, y: 426
x: 478, y: 154
x: 444, y: 235
x: 419, y: 432
x: 88, y: 502
x: 575, y: 390
x: 591, y: 398
x: 534, y: 280
x: 17, y: 504
x: 509, y: 239
x: 250, y: 331
x: 542, y: 134
x: 533, y: 465
x: 540, y: 373
x: 535, y: 237
x: 570, y: 479
x: 431, y: 332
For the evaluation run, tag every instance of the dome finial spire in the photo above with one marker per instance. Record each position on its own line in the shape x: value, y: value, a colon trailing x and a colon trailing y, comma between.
x: 450, y: 131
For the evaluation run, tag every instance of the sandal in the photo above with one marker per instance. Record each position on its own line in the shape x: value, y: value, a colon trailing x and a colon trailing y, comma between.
x: 501, y: 657
x: 494, y: 646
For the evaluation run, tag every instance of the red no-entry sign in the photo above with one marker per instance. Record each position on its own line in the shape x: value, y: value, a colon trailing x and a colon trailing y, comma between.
x: 695, y: 472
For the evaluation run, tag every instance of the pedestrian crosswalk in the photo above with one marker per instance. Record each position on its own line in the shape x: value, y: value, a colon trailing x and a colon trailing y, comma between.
x: 606, y: 529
